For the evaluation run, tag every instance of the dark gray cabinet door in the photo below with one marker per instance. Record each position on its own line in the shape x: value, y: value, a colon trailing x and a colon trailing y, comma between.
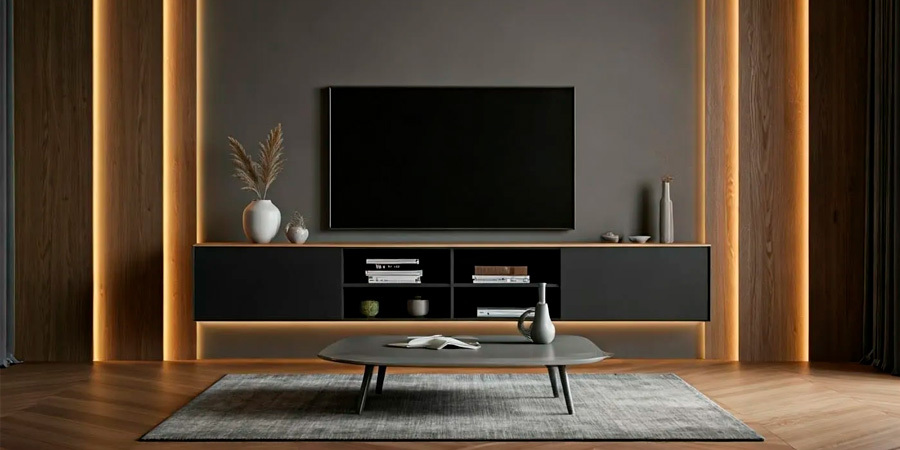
x: 635, y: 283
x: 267, y: 283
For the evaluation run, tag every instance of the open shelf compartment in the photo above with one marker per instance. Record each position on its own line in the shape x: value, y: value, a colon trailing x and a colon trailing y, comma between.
x: 543, y: 263
x: 467, y: 301
x: 392, y: 302
x: 433, y: 262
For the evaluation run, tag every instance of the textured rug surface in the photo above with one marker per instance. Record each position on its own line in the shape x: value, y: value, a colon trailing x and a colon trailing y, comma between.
x: 451, y: 407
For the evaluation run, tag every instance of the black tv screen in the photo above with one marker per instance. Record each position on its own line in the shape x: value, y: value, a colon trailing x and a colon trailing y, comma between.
x: 451, y: 158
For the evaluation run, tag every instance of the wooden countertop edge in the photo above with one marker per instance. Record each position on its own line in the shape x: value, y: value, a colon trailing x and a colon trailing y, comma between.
x: 450, y: 244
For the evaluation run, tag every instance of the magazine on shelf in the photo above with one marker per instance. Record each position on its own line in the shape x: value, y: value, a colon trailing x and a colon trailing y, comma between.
x: 377, y: 280
x: 501, y: 279
x: 439, y: 342
x: 394, y: 273
x: 397, y: 261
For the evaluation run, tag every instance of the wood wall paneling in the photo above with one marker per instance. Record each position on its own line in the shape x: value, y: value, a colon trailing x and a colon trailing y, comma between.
x: 129, y: 179
x: 772, y: 169
x: 180, y: 178
x: 721, y: 81
x: 52, y: 71
x: 837, y: 157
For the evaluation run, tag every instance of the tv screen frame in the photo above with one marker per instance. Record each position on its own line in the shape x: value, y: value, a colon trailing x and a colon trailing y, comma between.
x: 328, y: 94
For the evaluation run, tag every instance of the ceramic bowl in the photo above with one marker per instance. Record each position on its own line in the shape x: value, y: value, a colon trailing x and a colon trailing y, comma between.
x: 609, y: 238
x: 639, y: 239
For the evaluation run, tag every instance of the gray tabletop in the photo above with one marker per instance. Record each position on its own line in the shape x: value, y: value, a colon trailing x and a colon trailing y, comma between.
x: 495, y: 351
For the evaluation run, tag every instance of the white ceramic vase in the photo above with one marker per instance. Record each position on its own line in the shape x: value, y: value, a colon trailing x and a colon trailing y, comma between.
x: 417, y: 307
x: 262, y: 219
x: 296, y: 234
x: 666, y: 222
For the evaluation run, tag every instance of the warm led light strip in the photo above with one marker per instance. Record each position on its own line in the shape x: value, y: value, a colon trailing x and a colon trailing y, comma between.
x: 169, y: 294
x: 732, y: 204
x: 99, y: 146
x: 347, y: 328
x: 199, y: 117
x: 803, y: 183
x: 701, y: 145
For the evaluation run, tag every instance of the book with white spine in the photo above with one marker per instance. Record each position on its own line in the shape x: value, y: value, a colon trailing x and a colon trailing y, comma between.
x: 501, y: 278
x: 402, y: 273
x: 386, y: 280
x: 392, y: 261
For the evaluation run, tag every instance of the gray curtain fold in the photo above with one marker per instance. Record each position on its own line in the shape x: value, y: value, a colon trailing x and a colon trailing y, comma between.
x: 882, y: 269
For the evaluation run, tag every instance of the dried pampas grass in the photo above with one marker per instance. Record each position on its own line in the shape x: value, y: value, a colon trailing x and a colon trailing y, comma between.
x: 258, y: 176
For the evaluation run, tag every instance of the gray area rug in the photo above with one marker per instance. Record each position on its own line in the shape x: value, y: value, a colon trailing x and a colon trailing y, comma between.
x: 451, y: 407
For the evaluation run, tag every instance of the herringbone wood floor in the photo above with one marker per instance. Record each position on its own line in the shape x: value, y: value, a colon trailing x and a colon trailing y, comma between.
x: 110, y: 405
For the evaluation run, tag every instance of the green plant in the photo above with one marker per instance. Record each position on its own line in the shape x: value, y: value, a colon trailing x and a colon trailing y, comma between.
x: 258, y: 176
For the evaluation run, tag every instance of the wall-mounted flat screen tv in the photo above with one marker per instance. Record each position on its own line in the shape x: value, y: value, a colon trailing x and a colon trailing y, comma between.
x: 451, y: 157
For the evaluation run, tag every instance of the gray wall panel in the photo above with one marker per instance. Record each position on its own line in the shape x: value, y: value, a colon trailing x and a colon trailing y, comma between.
x: 633, y: 64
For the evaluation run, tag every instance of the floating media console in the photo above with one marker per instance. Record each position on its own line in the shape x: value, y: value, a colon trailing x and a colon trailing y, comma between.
x: 585, y: 281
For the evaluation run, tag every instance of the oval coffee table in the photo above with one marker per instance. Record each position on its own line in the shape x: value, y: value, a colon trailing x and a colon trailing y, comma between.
x: 495, y: 351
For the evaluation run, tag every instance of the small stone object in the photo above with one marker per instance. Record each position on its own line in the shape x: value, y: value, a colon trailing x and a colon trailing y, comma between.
x: 609, y: 236
x: 369, y: 308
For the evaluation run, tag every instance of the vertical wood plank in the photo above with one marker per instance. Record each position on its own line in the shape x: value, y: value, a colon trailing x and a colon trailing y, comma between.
x: 180, y: 176
x: 772, y: 166
x: 721, y: 175
x: 52, y: 71
x: 129, y: 179
x: 838, y: 32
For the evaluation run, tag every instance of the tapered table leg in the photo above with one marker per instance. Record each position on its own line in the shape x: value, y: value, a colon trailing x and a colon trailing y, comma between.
x: 367, y: 379
x: 380, y: 383
x: 552, y: 371
x: 564, y: 378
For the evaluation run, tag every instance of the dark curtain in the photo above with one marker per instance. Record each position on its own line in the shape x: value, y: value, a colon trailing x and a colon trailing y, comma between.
x: 882, y: 297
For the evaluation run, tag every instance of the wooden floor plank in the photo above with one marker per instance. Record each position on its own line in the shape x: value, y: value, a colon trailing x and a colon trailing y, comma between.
x: 110, y: 405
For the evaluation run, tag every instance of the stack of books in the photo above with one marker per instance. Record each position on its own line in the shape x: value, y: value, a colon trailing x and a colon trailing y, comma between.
x: 501, y: 274
x: 396, y: 270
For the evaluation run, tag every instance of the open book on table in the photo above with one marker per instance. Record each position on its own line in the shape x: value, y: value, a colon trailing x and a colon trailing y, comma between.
x: 439, y: 342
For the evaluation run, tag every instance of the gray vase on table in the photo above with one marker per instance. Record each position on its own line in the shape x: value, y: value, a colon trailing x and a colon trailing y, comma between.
x: 666, y: 222
x: 541, y: 330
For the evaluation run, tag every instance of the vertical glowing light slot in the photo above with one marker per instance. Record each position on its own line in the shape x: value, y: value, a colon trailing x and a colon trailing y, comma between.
x: 701, y: 147
x: 168, y: 165
x: 803, y: 182
x: 732, y: 203
x: 199, y: 125
x: 97, y: 181
x: 701, y: 122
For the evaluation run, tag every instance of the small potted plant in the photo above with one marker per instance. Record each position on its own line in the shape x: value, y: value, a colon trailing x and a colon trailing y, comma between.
x: 295, y: 230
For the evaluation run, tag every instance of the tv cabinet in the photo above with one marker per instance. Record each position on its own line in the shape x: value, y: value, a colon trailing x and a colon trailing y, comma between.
x: 585, y: 281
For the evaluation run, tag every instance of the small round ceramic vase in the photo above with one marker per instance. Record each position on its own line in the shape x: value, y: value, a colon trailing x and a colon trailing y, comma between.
x: 296, y: 234
x: 417, y: 307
